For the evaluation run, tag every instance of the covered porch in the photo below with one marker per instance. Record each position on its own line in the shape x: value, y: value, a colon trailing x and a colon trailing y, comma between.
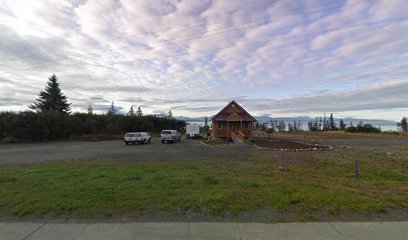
x: 232, y: 123
x: 234, y: 127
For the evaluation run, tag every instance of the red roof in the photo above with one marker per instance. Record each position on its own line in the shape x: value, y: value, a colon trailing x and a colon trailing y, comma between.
x: 222, y: 116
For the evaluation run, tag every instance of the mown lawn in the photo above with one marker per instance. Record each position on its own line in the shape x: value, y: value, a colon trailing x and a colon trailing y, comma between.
x: 84, y: 189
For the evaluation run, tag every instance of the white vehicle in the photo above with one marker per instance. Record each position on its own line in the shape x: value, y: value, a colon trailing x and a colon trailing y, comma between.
x: 169, y: 136
x: 137, y: 137
x: 192, y: 131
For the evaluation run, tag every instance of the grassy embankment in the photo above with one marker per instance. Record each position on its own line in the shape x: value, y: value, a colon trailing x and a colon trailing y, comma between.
x: 214, y: 187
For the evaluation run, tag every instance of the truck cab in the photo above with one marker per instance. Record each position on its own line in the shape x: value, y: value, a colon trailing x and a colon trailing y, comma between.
x: 137, y: 137
x: 169, y: 136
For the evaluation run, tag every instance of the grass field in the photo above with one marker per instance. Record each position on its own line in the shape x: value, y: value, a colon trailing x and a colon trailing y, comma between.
x: 85, y: 189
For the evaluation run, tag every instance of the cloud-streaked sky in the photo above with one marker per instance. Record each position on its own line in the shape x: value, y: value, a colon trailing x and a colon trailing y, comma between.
x: 282, y: 58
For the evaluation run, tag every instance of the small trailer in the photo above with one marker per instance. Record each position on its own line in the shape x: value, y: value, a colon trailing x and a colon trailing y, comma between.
x: 193, y: 131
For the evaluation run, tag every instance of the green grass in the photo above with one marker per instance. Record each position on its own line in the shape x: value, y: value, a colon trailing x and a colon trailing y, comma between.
x: 213, y: 187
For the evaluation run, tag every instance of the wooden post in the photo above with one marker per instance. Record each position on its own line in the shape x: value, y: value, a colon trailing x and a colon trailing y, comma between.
x: 241, y: 126
x: 227, y: 130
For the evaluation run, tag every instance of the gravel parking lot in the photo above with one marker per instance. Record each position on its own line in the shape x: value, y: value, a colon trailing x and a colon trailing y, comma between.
x: 189, y: 150
x: 117, y: 150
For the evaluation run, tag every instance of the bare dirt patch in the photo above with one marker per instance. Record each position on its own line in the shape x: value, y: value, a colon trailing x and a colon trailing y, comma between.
x: 288, y: 145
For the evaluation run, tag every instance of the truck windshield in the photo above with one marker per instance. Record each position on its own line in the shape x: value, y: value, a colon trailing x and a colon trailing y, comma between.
x: 166, y: 132
x: 133, y: 135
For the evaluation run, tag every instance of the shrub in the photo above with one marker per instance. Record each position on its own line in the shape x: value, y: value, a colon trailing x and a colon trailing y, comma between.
x: 363, y: 128
x: 41, y: 126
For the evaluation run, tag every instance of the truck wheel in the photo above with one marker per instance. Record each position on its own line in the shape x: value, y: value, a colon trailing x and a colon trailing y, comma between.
x: 127, y: 143
x: 162, y: 141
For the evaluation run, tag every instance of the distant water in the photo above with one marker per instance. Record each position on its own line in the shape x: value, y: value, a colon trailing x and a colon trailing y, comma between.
x: 198, y: 123
x: 384, y: 126
x: 389, y: 127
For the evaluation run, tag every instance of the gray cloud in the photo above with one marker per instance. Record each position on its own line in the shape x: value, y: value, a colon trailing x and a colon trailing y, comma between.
x: 199, y: 109
x: 195, y: 56
x: 7, y: 101
x: 381, y: 97
x: 127, y: 89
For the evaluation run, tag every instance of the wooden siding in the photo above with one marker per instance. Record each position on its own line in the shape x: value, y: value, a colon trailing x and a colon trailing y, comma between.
x: 232, y: 117
x: 233, y: 109
x: 224, y: 132
x: 219, y: 132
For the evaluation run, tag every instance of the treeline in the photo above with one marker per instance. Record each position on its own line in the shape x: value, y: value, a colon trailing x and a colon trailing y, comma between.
x: 403, y: 125
x: 53, y: 120
x: 279, y: 126
x: 320, y: 124
x: 40, y: 126
x: 329, y: 124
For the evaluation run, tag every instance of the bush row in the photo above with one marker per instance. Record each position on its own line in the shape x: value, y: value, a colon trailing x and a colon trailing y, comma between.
x: 31, y: 126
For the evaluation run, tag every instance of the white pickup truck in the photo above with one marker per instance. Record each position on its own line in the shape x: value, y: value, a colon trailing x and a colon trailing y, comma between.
x: 169, y: 136
x: 137, y: 137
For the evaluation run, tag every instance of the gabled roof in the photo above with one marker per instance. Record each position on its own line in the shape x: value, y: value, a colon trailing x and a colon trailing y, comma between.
x: 221, y: 115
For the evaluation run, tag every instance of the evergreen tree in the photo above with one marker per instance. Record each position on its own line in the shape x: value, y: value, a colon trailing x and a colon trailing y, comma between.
x: 332, y: 123
x: 291, y: 127
x: 281, y: 126
x: 310, y: 126
x: 112, y: 109
x: 131, y: 112
x: 263, y: 126
x: 139, y: 112
x: 297, y: 126
x: 90, y: 110
x: 360, y: 124
x: 51, y: 99
x: 342, y: 124
x: 275, y: 125
x: 403, y: 124
x: 314, y: 125
x: 257, y: 126
x: 326, y: 124
x: 170, y: 114
x: 320, y: 125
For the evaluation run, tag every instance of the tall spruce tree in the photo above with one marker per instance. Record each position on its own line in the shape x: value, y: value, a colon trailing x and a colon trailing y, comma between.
x: 112, y: 110
x: 139, y: 112
x: 131, y: 112
x: 332, y: 125
x: 342, y: 124
x: 90, y: 110
x: 170, y: 114
x: 51, y: 99
x: 403, y: 124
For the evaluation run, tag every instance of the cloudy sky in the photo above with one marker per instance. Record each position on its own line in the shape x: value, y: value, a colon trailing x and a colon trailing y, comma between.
x: 275, y: 57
